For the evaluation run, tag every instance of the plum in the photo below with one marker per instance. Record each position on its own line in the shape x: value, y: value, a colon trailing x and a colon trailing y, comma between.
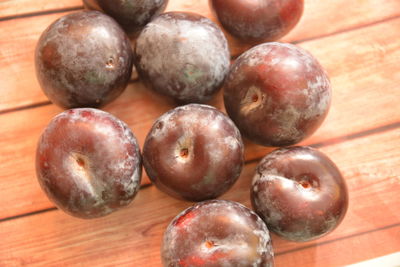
x: 299, y: 193
x: 182, y: 55
x: 217, y: 233
x: 83, y: 59
x: 88, y: 163
x: 257, y: 21
x: 132, y: 15
x: 277, y: 94
x: 193, y: 152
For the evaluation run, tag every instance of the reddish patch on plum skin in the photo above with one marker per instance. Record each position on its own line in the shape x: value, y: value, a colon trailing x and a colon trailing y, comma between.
x: 257, y: 21
x: 294, y: 89
x: 290, y: 13
x: 222, y: 233
x: 299, y: 193
x: 196, y: 154
x: 184, y: 219
x: 88, y: 162
x: 51, y: 57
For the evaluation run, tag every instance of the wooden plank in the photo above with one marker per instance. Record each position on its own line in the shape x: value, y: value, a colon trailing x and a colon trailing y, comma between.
x: 15, y: 8
x: 17, y: 41
x: 133, y: 235
x: 373, y: 74
x: 18, y: 78
x: 347, y: 251
x: 391, y: 260
x: 320, y: 18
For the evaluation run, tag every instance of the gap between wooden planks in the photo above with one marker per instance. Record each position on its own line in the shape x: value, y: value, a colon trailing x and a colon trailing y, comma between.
x: 133, y: 235
x: 18, y: 41
x: 362, y: 64
x: 22, y: 8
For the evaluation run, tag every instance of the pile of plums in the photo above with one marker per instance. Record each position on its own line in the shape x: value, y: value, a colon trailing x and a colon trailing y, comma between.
x: 89, y: 162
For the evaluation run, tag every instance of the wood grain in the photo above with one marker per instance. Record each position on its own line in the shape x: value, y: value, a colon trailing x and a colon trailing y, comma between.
x: 18, y: 76
x: 17, y: 41
x: 17, y: 8
x: 360, y: 102
x: 356, y: 41
x: 346, y: 251
x: 132, y: 236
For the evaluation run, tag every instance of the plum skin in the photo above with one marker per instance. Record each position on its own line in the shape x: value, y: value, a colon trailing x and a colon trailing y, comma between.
x: 257, y: 21
x: 299, y: 193
x: 277, y: 94
x: 182, y: 55
x: 132, y: 15
x: 83, y: 59
x: 217, y: 233
x: 193, y: 152
x: 88, y: 163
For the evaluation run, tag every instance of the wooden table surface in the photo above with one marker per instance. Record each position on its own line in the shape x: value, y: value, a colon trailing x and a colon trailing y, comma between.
x: 358, y: 42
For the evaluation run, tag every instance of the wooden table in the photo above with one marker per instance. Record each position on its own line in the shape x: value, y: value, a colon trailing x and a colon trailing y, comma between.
x: 358, y: 42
